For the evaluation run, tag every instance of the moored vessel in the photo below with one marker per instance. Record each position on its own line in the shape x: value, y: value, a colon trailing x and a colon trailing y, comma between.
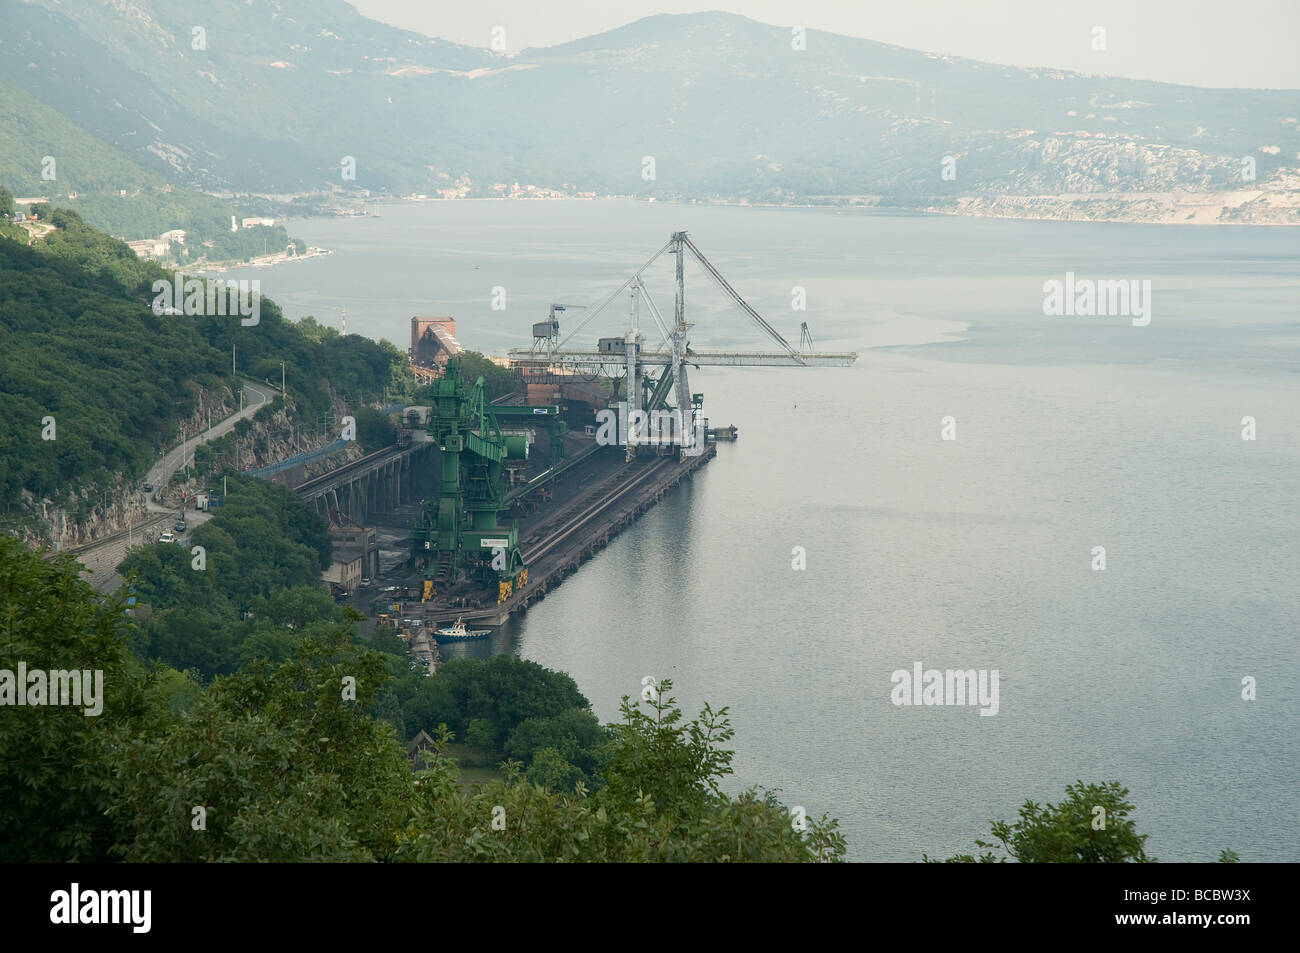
x: 458, y: 632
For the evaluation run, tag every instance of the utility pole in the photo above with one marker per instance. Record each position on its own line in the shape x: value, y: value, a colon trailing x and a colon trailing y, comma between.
x: 282, y: 378
x: 232, y: 360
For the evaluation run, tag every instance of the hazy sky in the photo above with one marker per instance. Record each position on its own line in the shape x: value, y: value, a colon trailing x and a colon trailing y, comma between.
x: 1200, y: 42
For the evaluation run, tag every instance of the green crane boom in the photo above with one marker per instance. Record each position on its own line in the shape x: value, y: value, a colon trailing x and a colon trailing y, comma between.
x: 460, y: 533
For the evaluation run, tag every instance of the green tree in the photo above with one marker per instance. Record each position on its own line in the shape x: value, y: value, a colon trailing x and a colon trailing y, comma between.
x: 1091, y: 826
x: 261, y: 590
x: 504, y: 691
x: 480, y: 734
x: 375, y: 430
x: 285, y: 765
x: 551, y: 770
x: 497, y: 380
x: 296, y: 607
x: 575, y: 734
x: 662, y: 801
x: 56, y: 766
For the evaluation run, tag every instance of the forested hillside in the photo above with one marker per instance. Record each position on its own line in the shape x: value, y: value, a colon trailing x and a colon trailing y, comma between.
x: 81, y: 344
x: 77, y: 346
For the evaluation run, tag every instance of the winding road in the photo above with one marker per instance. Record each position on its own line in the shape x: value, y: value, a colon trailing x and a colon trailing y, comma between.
x: 102, y: 556
x: 175, y: 458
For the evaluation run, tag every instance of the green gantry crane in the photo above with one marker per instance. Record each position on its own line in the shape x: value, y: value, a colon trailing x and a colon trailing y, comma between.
x: 460, y: 533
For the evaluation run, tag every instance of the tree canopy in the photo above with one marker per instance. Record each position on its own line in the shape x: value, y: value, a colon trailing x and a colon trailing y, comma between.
x: 260, y: 582
x: 1093, y: 825
x: 283, y: 761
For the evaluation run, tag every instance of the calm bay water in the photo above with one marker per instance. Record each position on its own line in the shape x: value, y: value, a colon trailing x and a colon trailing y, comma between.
x: 1072, y: 432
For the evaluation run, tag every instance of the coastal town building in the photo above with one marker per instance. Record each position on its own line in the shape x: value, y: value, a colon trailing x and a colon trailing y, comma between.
x: 148, y: 248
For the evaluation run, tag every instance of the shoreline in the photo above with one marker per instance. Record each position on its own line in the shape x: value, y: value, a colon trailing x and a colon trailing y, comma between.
x: 261, y: 261
x: 1179, y: 209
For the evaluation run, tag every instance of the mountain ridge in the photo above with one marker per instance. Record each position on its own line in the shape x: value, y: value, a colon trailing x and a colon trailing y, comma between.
x: 725, y: 106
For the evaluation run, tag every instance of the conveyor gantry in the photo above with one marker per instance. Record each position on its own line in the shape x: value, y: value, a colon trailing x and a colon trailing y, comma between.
x: 677, y: 356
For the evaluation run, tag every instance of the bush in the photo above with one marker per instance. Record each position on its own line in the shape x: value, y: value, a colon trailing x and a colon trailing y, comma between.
x: 479, y: 734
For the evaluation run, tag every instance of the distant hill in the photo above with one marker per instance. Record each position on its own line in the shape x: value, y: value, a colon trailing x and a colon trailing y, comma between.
x: 278, y: 94
x: 283, y: 90
x: 90, y: 177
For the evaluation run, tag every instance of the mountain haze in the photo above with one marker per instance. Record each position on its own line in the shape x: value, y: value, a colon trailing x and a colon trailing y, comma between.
x: 102, y: 184
x: 728, y: 109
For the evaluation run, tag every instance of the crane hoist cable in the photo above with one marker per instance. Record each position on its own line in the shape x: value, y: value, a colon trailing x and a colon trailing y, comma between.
x: 740, y: 302
x: 614, y: 294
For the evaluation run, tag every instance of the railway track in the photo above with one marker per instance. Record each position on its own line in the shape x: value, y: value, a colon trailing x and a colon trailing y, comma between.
x: 152, y: 520
x: 554, y: 549
x: 603, y: 502
x: 343, y: 473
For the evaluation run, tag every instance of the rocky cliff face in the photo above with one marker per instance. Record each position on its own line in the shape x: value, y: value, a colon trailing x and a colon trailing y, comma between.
x: 106, y: 512
x: 268, y: 437
x: 100, y: 512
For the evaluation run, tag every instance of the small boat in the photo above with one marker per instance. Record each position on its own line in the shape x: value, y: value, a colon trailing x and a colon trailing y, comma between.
x: 459, y: 633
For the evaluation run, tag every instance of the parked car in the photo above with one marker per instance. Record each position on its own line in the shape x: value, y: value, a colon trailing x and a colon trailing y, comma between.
x: 148, y: 487
x: 167, y: 537
x: 179, y: 526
